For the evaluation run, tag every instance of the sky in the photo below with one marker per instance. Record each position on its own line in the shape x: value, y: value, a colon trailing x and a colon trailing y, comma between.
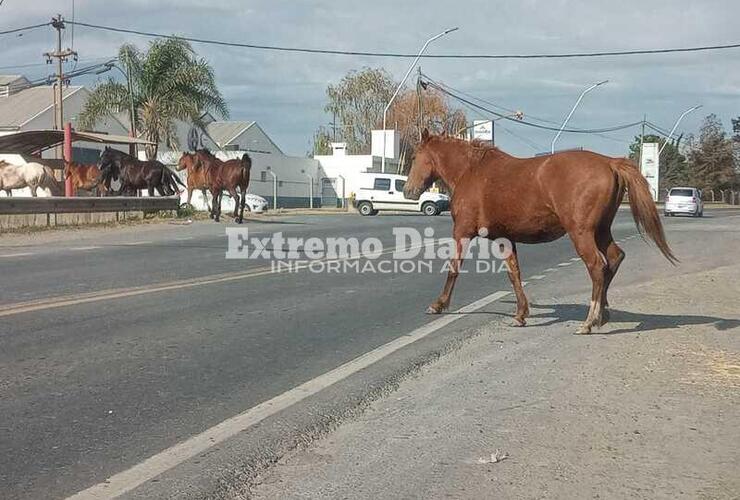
x: 285, y: 93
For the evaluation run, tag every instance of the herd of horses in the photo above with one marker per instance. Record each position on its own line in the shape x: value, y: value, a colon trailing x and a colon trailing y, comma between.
x: 204, y: 171
x: 494, y: 195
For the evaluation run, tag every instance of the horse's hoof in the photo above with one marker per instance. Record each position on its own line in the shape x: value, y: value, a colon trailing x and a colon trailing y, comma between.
x: 433, y: 310
x: 583, y: 330
x: 519, y: 322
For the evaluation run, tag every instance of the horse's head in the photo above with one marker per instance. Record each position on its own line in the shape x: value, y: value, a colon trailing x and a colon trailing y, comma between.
x: 423, y: 169
x: 188, y: 161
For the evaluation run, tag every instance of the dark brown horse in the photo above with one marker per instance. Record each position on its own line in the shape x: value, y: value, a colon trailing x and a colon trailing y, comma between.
x: 84, y: 177
x: 135, y: 174
x: 226, y: 175
x: 536, y: 200
x: 196, y: 175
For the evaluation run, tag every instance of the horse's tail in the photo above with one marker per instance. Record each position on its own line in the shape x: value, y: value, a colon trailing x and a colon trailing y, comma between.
x: 172, y: 180
x: 642, y: 205
x: 246, y: 167
x: 49, y: 182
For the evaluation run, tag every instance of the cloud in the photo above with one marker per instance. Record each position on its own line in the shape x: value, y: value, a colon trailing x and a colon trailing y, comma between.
x: 285, y: 92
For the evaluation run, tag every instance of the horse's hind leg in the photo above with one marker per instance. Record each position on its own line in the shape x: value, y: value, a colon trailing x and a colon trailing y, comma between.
x: 597, y: 266
x: 243, y: 204
x: 614, y: 257
x: 235, y: 196
x: 205, y: 198
x: 522, y: 305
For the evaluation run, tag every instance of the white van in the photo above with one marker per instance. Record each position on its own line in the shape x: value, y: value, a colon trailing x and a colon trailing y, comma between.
x: 385, y: 192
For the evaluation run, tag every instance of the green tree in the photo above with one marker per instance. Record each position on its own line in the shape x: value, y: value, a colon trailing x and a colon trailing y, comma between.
x: 321, y: 142
x: 168, y: 83
x: 711, y: 160
x: 673, y: 164
x: 357, y: 102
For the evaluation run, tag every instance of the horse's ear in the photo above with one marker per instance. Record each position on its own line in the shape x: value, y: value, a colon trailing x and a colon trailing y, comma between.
x: 425, y: 134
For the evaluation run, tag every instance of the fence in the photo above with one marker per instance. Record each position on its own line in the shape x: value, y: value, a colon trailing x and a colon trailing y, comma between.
x: 59, y: 205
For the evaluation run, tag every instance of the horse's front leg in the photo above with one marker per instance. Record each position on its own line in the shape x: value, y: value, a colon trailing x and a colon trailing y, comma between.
x: 522, y: 305
x: 443, y: 301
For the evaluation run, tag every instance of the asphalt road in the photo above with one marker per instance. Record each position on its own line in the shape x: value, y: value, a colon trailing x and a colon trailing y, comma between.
x: 94, y: 379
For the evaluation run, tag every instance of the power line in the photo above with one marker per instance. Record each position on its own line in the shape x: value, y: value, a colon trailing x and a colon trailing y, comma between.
x: 25, y: 28
x: 530, y: 124
x: 403, y: 55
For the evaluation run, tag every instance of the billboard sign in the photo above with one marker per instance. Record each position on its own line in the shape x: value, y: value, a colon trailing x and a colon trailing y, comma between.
x: 650, y: 166
x: 483, y: 130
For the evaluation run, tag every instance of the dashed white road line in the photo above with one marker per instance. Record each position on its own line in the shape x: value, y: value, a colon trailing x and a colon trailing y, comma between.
x: 81, y: 249
x: 134, y: 243
x: 160, y: 463
x: 563, y: 264
x: 19, y: 254
x: 575, y: 259
x: 549, y: 270
x: 537, y: 277
x: 183, y: 238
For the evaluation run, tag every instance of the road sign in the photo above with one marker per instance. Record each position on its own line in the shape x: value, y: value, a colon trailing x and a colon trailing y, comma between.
x: 483, y: 130
x: 650, y: 166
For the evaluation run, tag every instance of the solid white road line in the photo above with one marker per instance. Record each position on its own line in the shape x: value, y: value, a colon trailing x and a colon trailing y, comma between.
x: 575, y: 259
x: 184, y: 238
x: 134, y: 243
x: 160, y: 463
x: 79, y: 249
x: 549, y: 270
x: 19, y: 254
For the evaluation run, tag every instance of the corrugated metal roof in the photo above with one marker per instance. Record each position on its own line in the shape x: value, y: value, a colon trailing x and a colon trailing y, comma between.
x: 8, y: 79
x: 224, y: 132
x: 32, y: 141
x: 16, y: 109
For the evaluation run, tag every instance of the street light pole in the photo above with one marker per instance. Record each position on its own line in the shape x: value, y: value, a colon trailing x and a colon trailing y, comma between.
x: 398, y: 89
x: 676, y: 126
x: 573, y: 109
x: 310, y: 188
x: 274, y: 187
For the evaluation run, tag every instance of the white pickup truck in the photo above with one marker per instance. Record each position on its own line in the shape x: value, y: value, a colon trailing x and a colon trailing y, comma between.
x: 385, y: 192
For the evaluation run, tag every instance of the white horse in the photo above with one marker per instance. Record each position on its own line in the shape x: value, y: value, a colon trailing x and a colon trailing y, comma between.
x: 30, y: 175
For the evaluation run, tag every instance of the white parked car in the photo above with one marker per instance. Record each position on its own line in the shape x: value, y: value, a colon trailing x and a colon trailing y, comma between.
x: 684, y: 200
x: 254, y: 203
x: 385, y: 192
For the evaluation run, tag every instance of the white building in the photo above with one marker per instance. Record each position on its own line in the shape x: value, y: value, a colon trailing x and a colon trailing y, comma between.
x: 339, y: 165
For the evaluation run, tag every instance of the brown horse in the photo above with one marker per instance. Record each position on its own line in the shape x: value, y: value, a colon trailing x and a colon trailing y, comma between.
x: 196, y: 175
x: 226, y: 175
x: 84, y: 177
x: 536, y: 200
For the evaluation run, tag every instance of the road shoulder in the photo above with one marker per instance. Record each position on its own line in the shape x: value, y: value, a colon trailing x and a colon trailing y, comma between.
x: 646, y: 408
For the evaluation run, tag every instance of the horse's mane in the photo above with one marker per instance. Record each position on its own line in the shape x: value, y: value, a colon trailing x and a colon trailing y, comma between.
x: 476, y: 149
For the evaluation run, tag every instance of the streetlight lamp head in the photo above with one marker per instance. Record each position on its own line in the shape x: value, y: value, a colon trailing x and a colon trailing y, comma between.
x: 450, y: 30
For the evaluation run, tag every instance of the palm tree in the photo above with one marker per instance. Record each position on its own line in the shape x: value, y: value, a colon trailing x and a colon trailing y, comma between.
x: 168, y: 83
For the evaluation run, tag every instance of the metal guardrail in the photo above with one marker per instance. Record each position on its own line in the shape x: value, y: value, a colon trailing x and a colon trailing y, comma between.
x: 61, y: 205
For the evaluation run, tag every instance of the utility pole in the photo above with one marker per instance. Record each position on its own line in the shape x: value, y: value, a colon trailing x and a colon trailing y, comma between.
x: 61, y: 56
